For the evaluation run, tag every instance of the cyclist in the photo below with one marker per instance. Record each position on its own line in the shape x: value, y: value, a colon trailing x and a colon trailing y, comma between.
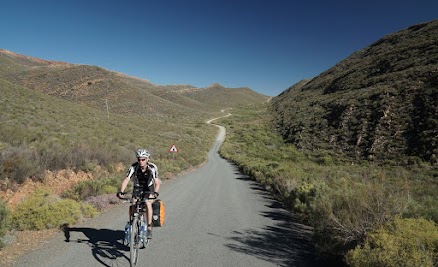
x: 145, y: 176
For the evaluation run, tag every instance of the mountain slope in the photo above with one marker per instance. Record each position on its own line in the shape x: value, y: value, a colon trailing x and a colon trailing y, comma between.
x: 97, y: 87
x: 380, y: 103
x: 56, y: 115
x: 40, y: 132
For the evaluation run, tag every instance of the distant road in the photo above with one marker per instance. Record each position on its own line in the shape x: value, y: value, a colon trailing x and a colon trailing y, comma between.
x: 215, y: 216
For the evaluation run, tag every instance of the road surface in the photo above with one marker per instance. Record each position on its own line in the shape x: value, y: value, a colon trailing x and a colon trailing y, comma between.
x: 215, y: 216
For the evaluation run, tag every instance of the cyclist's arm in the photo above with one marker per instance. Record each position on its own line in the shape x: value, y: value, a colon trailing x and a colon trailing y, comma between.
x: 157, y: 184
x: 157, y: 180
x: 124, y: 184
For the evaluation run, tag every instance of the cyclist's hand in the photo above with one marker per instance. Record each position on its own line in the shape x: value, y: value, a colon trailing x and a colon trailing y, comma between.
x: 120, y: 194
x: 156, y: 194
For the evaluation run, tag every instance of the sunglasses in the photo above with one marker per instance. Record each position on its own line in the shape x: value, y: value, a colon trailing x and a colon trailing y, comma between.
x: 141, y: 159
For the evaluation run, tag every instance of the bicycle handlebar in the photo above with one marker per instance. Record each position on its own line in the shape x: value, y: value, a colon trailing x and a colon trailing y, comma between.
x: 142, y: 196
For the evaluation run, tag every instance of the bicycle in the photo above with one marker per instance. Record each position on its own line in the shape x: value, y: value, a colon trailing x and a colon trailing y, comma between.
x: 137, y: 220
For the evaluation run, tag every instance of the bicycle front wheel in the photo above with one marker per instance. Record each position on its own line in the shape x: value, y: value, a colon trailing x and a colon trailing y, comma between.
x: 135, y: 241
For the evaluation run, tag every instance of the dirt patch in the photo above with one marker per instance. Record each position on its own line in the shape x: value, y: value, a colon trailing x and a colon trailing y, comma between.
x: 23, y: 242
x: 56, y: 182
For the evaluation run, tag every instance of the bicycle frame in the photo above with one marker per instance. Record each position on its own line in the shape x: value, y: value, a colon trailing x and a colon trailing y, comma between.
x: 136, y: 218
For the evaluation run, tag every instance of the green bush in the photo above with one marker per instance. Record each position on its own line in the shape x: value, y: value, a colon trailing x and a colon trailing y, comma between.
x: 345, y: 210
x: 425, y: 206
x: 84, y: 189
x: 302, y: 197
x: 18, y: 163
x: 4, y: 218
x: 402, y: 242
x: 43, y: 211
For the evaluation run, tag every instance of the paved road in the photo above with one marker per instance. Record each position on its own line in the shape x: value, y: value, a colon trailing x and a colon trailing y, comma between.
x: 215, y: 216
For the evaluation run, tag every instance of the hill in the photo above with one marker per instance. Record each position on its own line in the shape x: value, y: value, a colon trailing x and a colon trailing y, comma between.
x: 380, y: 103
x: 56, y: 115
x: 97, y: 87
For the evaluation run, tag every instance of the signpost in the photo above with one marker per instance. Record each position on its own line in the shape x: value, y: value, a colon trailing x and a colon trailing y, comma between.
x: 173, y: 150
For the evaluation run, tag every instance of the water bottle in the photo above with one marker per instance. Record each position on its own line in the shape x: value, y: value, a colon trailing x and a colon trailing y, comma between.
x: 127, y: 232
x: 142, y: 230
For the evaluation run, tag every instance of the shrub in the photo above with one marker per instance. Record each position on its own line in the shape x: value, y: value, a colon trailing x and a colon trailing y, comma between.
x: 324, y: 158
x: 18, y: 163
x: 401, y: 242
x: 102, y: 202
x: 43, y: 211
x: 89, y: 188
x: 4, y: 217
x: 346, y: 210
x: 426, y: 207
x: 302, y: 197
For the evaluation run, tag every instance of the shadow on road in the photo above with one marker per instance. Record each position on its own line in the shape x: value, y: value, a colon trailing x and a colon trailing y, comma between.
x: 106, y: 244
x: 285, y: 242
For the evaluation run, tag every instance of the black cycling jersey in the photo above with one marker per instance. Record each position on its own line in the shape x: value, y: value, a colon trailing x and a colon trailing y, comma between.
x: 143, y: 181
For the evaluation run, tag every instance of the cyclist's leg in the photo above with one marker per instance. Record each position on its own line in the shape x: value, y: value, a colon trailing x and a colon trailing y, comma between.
x: 149, y: 211
x: 149, y: 216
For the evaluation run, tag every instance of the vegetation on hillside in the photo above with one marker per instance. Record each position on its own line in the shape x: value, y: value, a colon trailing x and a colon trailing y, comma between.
x: 40, y: 132
x: 379, y: 104
x: 59, y: 115
x: 4, y: 221
x: 344, y: 202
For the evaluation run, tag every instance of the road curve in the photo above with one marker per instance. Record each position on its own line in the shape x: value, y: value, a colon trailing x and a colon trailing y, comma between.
x: 215, y: 216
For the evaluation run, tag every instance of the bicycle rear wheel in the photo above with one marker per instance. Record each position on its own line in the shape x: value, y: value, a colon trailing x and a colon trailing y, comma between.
x: 135, y: 241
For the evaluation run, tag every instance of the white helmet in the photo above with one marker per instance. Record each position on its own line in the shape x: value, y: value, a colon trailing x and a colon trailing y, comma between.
x: 142, y: 153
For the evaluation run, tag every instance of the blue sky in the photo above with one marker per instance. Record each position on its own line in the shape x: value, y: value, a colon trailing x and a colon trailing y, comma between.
x: 267, y: 45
